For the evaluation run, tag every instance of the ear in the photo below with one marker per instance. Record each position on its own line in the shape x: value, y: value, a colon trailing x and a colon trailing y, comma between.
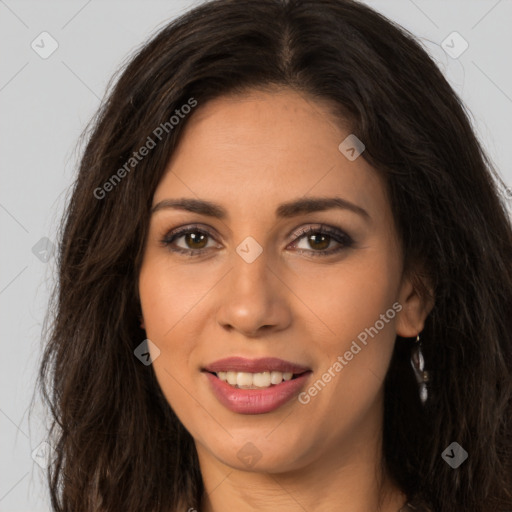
x: 415, y: 307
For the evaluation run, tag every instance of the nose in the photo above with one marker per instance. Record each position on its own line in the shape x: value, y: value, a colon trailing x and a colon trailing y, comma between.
x: 254, y: 299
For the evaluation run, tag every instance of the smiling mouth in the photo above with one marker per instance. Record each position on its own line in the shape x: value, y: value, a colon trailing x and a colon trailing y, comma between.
x: 260, y: 380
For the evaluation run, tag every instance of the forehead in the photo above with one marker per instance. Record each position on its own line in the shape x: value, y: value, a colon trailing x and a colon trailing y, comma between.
x: 264, y: 148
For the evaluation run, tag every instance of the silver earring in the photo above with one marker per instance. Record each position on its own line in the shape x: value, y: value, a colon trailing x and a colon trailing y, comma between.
x: 418, y: 365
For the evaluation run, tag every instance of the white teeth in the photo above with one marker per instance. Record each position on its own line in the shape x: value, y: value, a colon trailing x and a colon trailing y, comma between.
x: 231, y: 378
x: 243, y: 379
x: 276, y: 377
x: 261, y: 380
x: 246, y: 380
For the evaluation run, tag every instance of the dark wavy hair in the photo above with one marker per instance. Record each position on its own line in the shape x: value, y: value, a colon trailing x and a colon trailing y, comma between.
x: 116, y: 442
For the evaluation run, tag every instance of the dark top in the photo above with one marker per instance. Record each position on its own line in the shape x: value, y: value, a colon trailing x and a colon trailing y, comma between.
x: 409, y: 508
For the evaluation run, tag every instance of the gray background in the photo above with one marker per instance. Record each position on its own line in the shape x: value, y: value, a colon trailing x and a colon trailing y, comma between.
x: 46, y: 103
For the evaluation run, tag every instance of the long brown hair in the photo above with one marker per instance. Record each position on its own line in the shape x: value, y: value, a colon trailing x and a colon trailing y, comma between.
x: 117, y: 445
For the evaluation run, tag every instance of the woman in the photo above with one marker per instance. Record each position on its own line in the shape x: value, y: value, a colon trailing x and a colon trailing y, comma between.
x: 284, y: 278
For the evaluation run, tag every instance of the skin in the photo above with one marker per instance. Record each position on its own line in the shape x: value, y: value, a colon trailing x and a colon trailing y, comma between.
x: 250, y: 153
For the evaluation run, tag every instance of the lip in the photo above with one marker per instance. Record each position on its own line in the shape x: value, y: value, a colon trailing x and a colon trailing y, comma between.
x: 264, y: 364
x: 255, y: 401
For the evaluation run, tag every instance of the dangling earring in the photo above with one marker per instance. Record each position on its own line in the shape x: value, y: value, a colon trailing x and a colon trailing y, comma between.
x: 418, y: 365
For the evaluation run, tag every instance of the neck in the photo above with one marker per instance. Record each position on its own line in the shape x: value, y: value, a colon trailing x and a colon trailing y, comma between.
x: 348, y: 478
x: 342, y: 490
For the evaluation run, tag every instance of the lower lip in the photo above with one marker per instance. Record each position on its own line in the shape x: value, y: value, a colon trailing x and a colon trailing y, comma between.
x: 255, y: 401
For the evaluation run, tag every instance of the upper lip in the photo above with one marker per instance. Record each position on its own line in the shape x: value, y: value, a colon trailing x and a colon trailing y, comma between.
x: 264, y: 364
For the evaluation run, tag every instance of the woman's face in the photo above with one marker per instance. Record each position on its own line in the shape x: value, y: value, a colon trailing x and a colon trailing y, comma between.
x: 245, y: 281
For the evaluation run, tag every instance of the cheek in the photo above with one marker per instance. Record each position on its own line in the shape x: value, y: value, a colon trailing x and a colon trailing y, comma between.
x: 359, y: 306
x: 165, y: 305
x: 348, y: 297
x: 169, y: 294
x: 173, y: 298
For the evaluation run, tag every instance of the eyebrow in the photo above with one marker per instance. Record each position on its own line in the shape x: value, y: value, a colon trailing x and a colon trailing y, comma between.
x: 284, y: 210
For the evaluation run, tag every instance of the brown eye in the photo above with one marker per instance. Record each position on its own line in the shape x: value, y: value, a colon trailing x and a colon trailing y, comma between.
x: 318, y: 239
x: 195, y: 240
x: 188, y: 240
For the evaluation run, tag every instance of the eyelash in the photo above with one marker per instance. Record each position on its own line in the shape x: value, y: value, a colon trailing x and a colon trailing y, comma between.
x: 336, y: 234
